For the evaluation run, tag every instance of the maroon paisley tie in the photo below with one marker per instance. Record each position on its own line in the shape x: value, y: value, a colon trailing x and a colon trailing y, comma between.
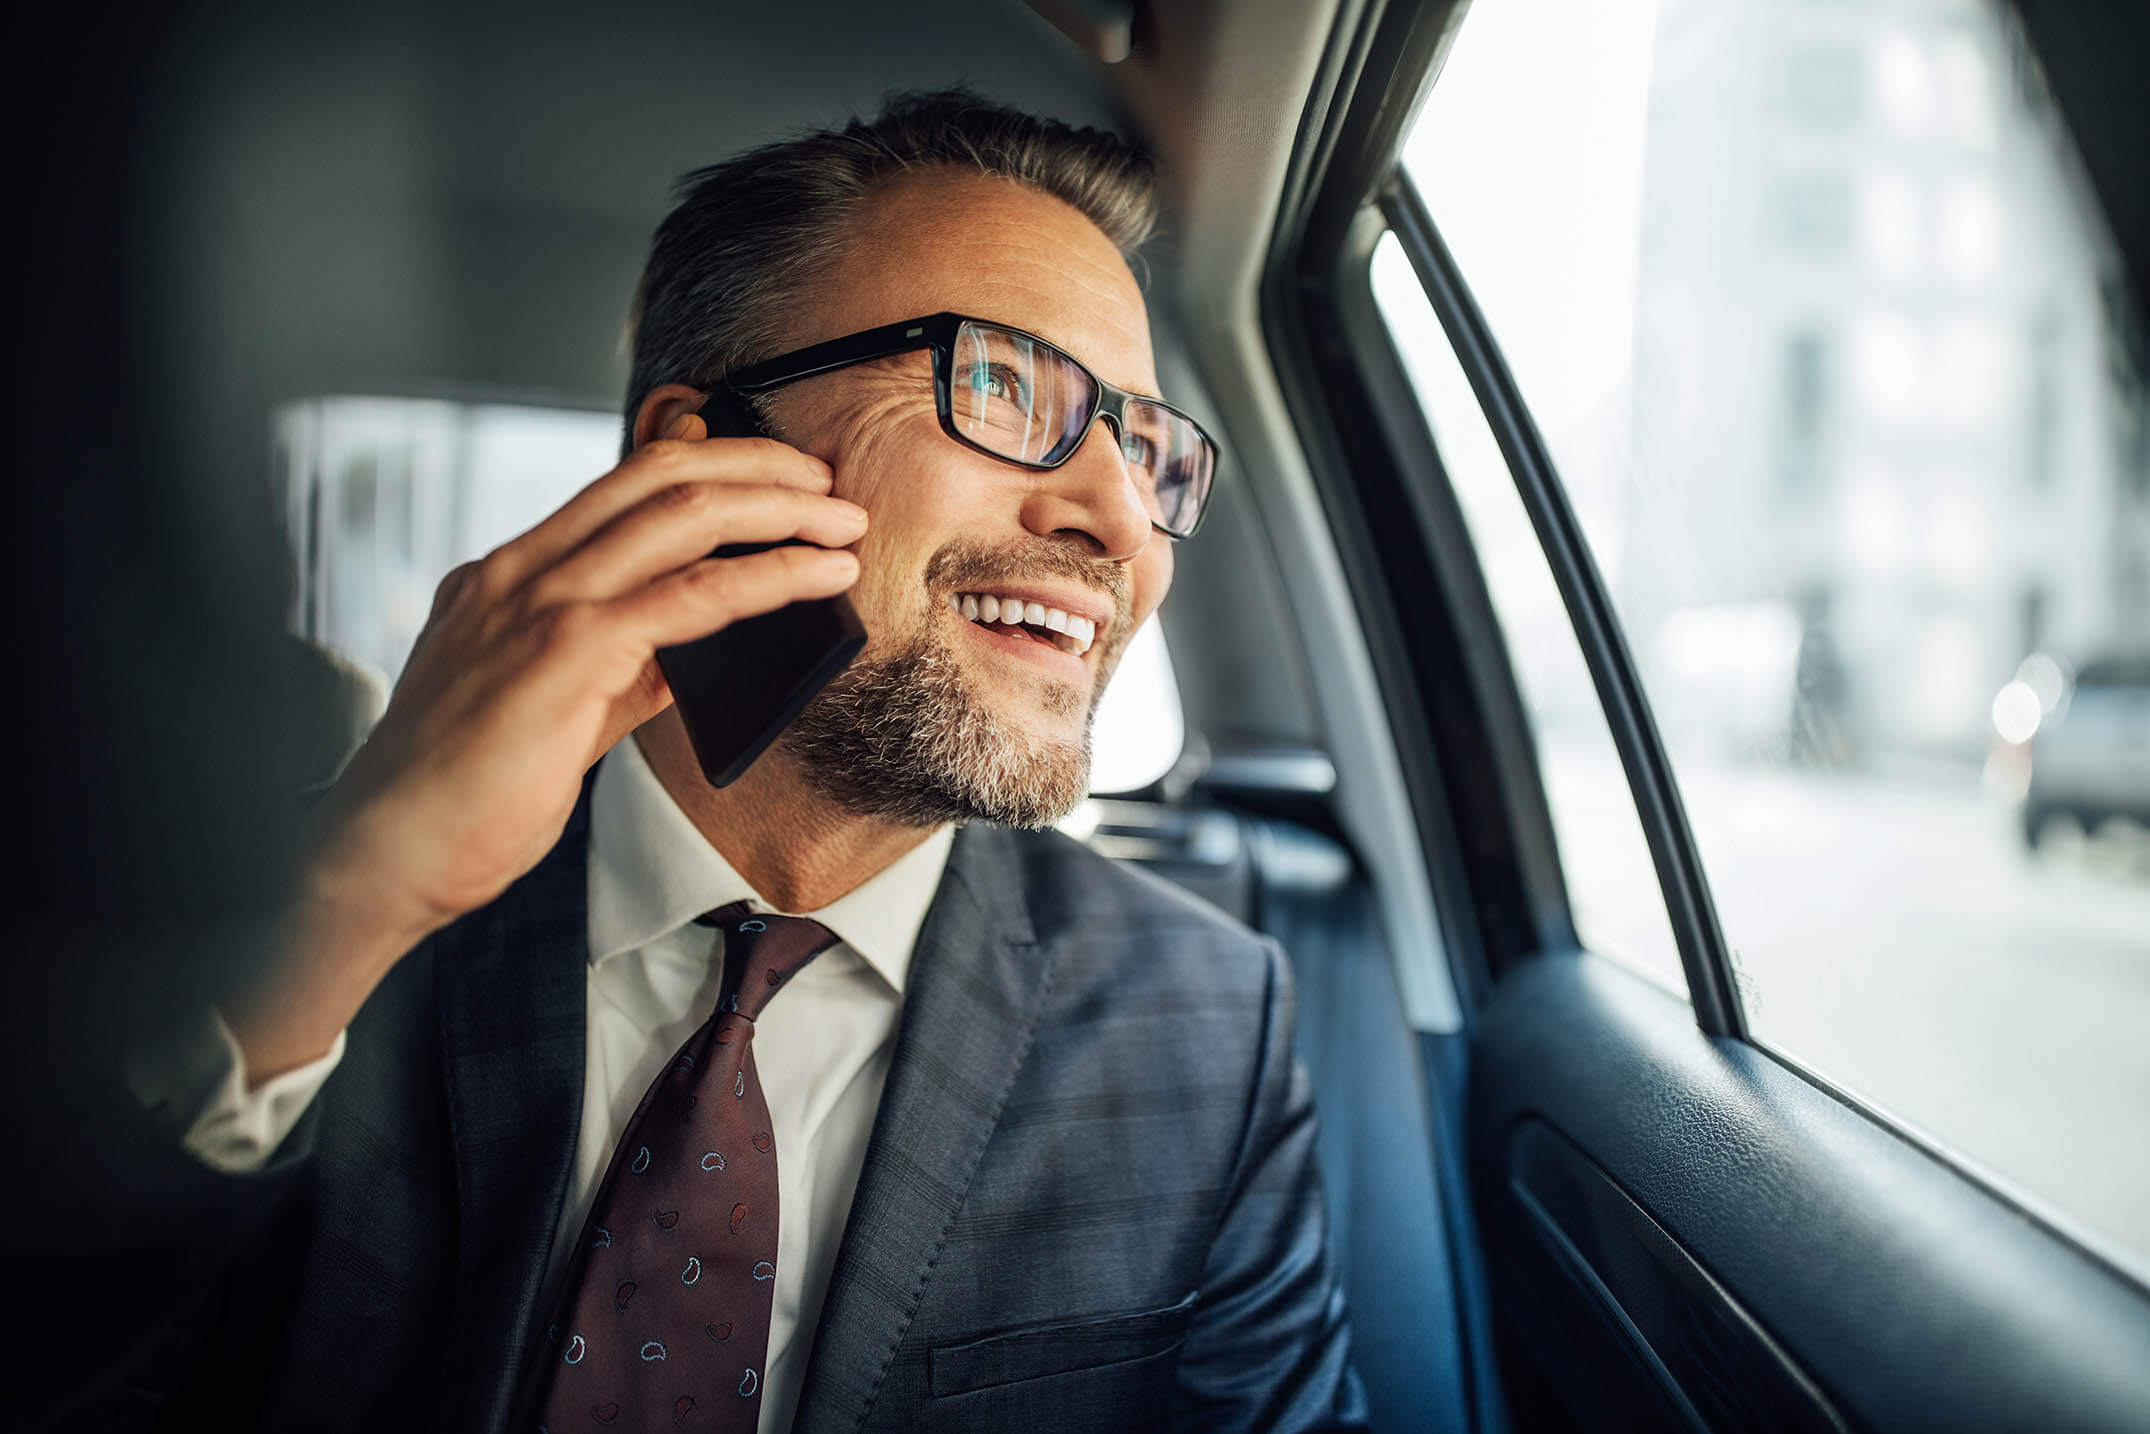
x: 665, y: 1326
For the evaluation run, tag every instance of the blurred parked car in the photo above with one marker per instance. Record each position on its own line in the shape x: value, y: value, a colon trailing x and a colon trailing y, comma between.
x: 2090, y: 760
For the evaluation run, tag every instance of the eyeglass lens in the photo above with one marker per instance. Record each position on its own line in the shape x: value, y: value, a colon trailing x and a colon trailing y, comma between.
x: 1017, y: 398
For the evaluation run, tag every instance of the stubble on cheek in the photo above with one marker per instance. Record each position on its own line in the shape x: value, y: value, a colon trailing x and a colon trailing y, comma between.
x: 914, y: 732
x: 907, y: 739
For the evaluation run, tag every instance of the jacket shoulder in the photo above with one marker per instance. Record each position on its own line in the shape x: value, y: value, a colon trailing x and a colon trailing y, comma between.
x: 1114, y: 919
x: 1068, y: 882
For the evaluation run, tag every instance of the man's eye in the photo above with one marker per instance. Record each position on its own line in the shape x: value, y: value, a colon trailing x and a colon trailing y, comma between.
x: 1138, y: 450
x: 994, y: 381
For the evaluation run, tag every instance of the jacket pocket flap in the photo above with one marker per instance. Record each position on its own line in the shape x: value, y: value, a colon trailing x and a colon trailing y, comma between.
x: 1038, y: 1351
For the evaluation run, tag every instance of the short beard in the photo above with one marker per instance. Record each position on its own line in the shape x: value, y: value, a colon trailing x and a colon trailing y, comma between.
x: 906, y: 740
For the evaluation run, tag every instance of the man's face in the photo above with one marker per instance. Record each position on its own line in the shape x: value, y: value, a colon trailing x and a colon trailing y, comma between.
x: 943, y: 716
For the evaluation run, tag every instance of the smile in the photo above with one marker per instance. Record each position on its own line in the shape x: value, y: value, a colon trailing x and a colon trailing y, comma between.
x: 1069, y: 632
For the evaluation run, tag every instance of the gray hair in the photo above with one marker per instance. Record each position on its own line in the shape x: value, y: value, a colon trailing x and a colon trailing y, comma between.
x: 751, y: 234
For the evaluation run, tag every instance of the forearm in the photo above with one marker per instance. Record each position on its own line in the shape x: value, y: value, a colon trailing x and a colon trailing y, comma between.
x: 343, y: 934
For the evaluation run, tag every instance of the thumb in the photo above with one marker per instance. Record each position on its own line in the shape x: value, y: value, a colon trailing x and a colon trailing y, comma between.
x: 650, y: 695
x: 688, y: 426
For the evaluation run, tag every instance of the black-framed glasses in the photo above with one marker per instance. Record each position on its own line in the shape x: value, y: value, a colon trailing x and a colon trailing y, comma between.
x: 1015, y: 397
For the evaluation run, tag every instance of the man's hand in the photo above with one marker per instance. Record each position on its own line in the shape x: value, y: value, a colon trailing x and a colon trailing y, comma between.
x: 536, y: 659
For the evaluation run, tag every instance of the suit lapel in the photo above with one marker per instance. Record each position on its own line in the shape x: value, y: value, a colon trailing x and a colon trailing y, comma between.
x: 977, y: 986
x: 513, y: 996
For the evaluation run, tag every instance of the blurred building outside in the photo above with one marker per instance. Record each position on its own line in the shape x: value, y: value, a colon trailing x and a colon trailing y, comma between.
x: 1829, y: 344
x: 1887, y: 395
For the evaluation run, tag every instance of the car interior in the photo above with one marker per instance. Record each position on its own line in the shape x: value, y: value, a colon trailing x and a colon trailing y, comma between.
x: 1564, y: 1193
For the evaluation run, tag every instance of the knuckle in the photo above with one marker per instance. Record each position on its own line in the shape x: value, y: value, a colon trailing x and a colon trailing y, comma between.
x: 564, y: 625
x: 542, y: 595
x: 681, y: 499
x: 461, y: 580
x: 714, y: 588
x: 711, y: 579
x: 455, y: 580
x: 662, y: 455
x: 492, y: 573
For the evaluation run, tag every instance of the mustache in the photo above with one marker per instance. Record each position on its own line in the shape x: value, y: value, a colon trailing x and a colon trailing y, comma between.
x: 971, y: 567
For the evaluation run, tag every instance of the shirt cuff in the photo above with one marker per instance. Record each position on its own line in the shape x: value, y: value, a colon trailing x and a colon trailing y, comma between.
x: 196, y: 1084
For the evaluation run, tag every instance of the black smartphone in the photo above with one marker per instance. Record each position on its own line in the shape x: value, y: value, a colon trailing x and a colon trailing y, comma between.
x: 739, y: 687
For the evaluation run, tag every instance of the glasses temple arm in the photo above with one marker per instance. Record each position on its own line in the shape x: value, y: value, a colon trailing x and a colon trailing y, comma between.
x: 862, y: 347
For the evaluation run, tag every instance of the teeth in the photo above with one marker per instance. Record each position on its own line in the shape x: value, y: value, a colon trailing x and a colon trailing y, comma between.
x: 1071, y: 633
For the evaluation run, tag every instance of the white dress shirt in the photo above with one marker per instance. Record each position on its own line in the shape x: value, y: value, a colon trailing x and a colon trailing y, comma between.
x: 822, y: 1047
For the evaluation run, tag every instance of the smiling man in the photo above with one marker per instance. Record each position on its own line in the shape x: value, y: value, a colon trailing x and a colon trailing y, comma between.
x: 952, y: 714
x: 589, y: 1095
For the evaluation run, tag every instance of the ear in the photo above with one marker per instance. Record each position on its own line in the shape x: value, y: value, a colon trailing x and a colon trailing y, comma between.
x: 662, y: 407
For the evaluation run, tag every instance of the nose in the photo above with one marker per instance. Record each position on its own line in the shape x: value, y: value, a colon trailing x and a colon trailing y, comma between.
x: 1092, y: 496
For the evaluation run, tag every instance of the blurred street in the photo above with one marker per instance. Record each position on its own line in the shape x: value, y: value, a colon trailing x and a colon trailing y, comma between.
x: 1830, y: 388
x: 1895, y: 935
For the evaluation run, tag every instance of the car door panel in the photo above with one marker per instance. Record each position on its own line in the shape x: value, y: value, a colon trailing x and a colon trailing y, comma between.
x: 1761, y: 1250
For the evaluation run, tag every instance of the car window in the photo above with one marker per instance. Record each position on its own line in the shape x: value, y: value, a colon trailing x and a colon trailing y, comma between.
x: 1613, y: 893
x: 383, y: 495
x: 1825, y: 338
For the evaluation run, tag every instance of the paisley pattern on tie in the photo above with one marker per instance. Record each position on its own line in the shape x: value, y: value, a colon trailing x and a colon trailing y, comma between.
x: 664, y: 1325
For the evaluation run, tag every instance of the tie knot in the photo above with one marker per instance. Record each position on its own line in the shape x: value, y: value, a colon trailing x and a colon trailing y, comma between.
x: 761, y: 953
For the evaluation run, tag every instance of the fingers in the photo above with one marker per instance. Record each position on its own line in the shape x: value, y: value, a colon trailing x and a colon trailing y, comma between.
x: 717, y: 592
x: 666, y: 463
x: 680, y: 524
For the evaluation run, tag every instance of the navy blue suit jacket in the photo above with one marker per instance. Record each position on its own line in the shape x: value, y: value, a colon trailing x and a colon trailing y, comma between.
x: 1089, y: 1201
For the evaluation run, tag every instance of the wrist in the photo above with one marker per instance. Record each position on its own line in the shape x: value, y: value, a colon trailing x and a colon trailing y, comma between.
x: 361, y: 924
x: 344, y: 930
x: 351, y: 896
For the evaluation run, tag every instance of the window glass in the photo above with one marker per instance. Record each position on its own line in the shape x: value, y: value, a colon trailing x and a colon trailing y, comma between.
x: 1612, y: 883
x: 1826, y: 338
x: 384, y: 495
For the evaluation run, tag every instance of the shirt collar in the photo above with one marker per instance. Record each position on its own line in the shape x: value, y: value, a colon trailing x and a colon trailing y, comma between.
x: 652, y: 871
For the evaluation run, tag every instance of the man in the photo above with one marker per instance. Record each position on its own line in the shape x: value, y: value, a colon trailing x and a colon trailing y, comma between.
x: 1035, y: 1153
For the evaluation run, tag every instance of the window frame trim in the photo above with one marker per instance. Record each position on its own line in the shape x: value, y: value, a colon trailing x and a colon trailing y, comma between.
x: 1498, y: 895
x: 1684, y: 884
x: 1493, y: 862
